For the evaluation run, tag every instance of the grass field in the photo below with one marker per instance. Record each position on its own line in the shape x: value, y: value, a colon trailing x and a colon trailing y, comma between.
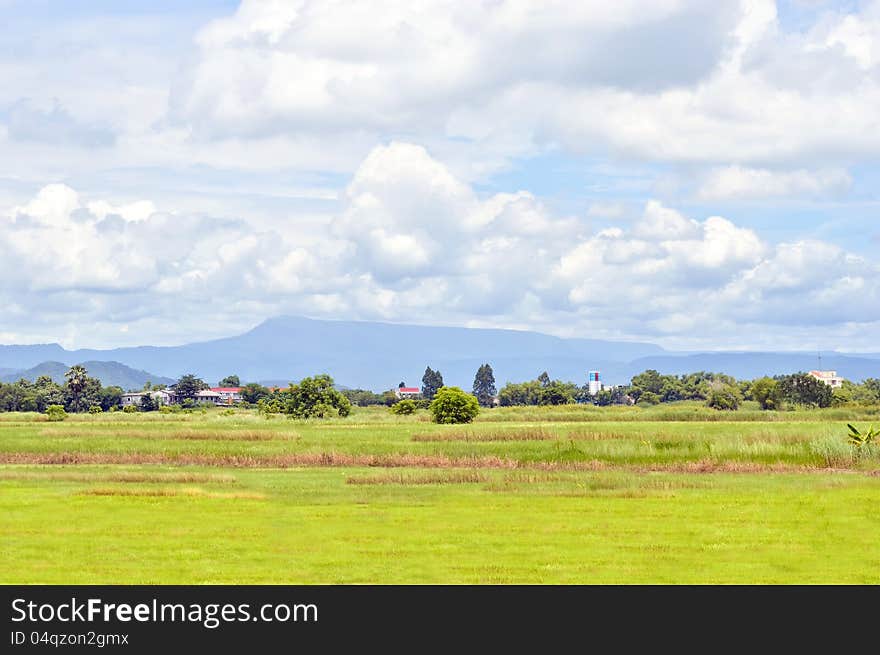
x: 674, y: 494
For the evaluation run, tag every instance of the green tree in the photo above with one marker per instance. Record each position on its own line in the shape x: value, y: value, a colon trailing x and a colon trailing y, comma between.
x: 77, y: 379
x: 520, y: 393
x: 431, y: 382
x: 766, y: 392
x: 452, y: 405
x: 315, y: 397
x: 544, y: 379
x: 484, y: 386
x: 148, y: 403
x: 557, y: 392
x: 230, y: 381
x: 252, y: 392
x: 804, y: 389
x: 188, y: 386
x: 648, y: 382
x: 722, y: 395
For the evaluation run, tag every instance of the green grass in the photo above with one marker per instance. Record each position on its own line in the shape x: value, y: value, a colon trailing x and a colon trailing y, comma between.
x: 575, y: 495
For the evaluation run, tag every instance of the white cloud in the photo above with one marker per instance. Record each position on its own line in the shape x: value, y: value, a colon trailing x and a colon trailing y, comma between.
x: 742, y: 183
x: 416, y: 243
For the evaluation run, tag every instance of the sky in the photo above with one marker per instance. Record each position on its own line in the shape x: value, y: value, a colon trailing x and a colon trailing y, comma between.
x: 699, y: 175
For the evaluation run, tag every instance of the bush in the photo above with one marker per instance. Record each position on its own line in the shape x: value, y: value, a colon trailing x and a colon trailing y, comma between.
x: 166, y: 409
x: 403, y: 408
x: 130, y: 409
x: 648, y: 398
x: 95, y: 409
x: 452, y: 405
x: 56, y: 413
x: 723, y: 396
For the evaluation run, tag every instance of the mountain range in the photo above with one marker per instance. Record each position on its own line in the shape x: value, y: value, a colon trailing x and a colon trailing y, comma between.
x: 378, y: 356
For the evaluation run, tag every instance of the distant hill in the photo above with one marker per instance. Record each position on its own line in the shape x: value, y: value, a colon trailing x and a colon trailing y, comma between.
x: 378, y: 356
x: 109, y: 373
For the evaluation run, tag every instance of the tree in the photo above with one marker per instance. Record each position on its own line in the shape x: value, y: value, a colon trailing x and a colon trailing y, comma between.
x: 252, y: 392
x: 188, y: 386
x: 766, y: 392
x: 484, y: 386
x: 76, y: 380
x: 315, y: 397
x: 230, y: 381
x: 431, y: 382
x: 544, y: 379
x: 452, y: 405
x: 519, y: 393
x: 648, y: 382
x: 364, y: 397
x: 723, y: 396
x: 804, y: 389
x: 557, y: 392
x: 148, y: 403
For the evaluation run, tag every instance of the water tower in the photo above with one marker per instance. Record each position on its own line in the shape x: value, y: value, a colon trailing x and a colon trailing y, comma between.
x: 594, y: 384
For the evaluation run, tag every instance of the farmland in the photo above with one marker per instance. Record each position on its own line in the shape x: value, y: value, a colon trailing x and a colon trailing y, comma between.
x: 573, y: 494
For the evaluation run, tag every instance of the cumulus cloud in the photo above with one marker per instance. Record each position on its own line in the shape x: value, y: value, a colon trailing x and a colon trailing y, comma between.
x: 666, y: 81
x: 413, y: 242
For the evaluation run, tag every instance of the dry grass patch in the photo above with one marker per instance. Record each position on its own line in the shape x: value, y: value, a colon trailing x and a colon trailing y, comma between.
x: 158, y: 478
x: 183, y: 435
x: 596, y: 435
x: 452, y: 477
x: 168, y: 492
x: 261, y: 461
x: 527, y: 434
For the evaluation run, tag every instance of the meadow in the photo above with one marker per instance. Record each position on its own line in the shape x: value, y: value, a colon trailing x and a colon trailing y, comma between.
x: 670, y: 494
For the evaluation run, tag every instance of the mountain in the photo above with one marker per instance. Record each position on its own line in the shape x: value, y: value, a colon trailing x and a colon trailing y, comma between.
x: 380, y: 355
x: 109, y: 373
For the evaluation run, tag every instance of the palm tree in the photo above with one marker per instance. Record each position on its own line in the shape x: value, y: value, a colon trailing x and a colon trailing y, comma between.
x: 76, y: 378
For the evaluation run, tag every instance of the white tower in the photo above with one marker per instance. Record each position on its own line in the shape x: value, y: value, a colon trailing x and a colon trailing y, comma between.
x: 593, y: 383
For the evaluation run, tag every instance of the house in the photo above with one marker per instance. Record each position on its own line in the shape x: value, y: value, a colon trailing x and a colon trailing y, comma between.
x: 208, y: 396
x: 159, y: 396
x: 228, y: 395
x: 828, y: 377
x: 407, y: 392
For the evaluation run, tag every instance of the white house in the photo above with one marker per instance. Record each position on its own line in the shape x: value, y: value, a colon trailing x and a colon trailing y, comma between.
x: 228, y: 395
x: 160, y: 397
x: 828, y: 377
x: 208, y: 396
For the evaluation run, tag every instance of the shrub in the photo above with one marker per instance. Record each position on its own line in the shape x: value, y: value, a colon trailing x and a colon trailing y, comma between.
x: 404, y: 407
x: 130, y: 409
x: 648, y: 398
x: 166, y: 409
x: 95, y: 409
x: 723, y: 396
x: 56, y: 413
x: 452, y: 405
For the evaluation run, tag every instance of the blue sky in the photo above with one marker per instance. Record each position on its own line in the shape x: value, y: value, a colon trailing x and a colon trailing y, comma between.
x: 701, y: 176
